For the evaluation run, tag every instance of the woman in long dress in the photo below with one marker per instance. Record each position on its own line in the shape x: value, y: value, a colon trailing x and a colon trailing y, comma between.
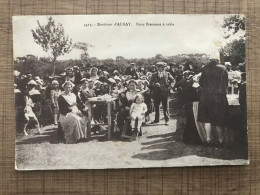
x: 72, y: 122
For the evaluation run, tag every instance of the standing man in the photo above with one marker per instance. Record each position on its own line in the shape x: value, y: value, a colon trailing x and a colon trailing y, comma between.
x: 131, y: 70
x: 160, y: 85
x: 213, y: 104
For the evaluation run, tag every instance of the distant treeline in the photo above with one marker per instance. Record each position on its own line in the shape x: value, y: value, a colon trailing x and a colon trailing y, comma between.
x: 31, y: 64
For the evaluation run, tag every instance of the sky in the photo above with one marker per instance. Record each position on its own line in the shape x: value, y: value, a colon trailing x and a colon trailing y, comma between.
x: 188, y: 34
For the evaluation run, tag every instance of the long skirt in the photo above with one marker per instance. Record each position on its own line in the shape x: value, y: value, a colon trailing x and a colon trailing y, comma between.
x: 191, y: 134
x: 121, y: 118
x: 73, y: 126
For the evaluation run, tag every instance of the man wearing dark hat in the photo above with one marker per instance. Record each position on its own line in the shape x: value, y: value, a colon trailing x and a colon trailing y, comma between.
x: 153, y: 69
x: 77, y: 75
x: 160, y: 84
x: 131, y: 70
x: 69, y: 76
x: 174, y: 70
x: 213, y: 104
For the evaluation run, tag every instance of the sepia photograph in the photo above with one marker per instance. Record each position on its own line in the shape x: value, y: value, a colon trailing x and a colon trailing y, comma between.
x: 129, y: 91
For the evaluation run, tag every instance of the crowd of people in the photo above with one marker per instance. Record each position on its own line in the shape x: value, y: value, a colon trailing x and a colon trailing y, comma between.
x: 62, y: 100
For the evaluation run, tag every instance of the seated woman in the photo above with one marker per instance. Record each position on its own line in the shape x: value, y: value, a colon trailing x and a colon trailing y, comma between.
x: 72, y: 122
x: 126, y: 99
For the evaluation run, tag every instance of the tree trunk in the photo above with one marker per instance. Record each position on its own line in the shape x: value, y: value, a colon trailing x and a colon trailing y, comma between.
x: 53, y: 73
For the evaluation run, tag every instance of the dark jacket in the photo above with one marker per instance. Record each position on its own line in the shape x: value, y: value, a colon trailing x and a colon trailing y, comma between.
x: 131, y: 72
x: 167, y: 79
x: 214, y: 79
x: 78, y: 78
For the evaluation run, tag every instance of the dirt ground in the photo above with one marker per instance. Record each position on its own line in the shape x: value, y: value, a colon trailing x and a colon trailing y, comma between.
x: 160, y: 146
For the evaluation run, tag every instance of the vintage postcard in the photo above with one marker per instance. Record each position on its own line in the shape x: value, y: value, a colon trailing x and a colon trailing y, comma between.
x: 129, y: 91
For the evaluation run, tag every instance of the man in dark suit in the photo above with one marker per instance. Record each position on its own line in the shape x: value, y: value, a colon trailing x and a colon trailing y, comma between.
x: 160, y: 84
x: 131, y: 70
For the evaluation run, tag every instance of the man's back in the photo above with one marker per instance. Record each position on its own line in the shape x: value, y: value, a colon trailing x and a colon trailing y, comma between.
x: 214, y: 79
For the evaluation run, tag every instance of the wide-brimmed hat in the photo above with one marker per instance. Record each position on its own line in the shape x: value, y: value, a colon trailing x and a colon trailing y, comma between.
x: 84, y: 79
x: 98, y: 81
x: 111, y: 80
x: 144, y: 77
x: 32, y: 82
x: 69, y: 68
x: 55, y: 82
x: 131, y: 81
x: 68, y: 82
x: 39, y: 81
x: 139, y: 81
x: 115, y: 71
x: 159, y: 64
x: 117, y: 78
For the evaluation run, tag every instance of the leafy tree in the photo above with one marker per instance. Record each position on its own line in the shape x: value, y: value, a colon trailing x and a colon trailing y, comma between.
x: 159, y: 56
x: 120, y: 58
x: 51, y: 37
x: 234, y: 52
x: 43, y: 66
x: 84, y: 48
x: 26, y: 64
x: 234, y: 24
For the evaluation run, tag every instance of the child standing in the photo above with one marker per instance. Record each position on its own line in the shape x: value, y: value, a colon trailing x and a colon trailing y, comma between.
x: 137, y: 111
x: 55, y: 93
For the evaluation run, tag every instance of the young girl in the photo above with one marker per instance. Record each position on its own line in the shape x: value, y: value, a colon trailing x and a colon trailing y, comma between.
x: 29, y: 114
x: 137, y: 111
x: 55, y: 93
